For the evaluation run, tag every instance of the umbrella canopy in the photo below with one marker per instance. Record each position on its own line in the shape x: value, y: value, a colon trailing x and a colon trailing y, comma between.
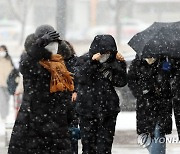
x: 140, y: 40
x: 166, y: 42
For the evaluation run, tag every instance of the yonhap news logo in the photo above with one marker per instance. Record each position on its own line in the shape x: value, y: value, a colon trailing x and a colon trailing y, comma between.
x: 145, y: 140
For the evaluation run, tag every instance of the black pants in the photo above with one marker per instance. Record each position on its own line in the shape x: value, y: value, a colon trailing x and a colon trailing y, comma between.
x: 176, y: 106
x: 97, y: 134
x: 74, y: 146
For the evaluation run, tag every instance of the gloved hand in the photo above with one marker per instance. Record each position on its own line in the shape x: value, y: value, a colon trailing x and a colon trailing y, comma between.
x: 47, y: 38
x: 75, y: 133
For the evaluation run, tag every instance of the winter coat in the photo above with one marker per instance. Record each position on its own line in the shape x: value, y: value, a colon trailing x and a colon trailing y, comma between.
x: 176, y: 92
x: 70, y: 64
x: 43, y: 119
x: 66, y: 50
x: 4, y: 72
x: 95, y: 81
x: 150, y: 84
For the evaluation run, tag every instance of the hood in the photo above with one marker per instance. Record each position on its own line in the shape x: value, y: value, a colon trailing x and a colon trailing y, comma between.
x: 103, y: 44
x: 33, y: 50
x: 30, y: 40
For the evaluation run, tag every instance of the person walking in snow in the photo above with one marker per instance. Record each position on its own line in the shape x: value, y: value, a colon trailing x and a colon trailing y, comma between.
x: 97, y: 104
x: 44, y: 116
x: 176, y: 92
x: 6, y: 66
x: 149, y: 80
x: 66, y: 50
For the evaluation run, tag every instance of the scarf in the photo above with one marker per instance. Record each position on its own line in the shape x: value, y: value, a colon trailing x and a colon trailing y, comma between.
x: 61, y: 79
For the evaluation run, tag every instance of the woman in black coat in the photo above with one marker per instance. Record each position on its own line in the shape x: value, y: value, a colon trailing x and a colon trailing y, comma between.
x: 149, y: 80
x: 42, y: 122
x: 67, y: 51
x: 97, y: 101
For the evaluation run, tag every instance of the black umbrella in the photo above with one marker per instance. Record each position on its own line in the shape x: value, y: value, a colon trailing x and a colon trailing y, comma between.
x: 166, y: 42
x: 140, y: 40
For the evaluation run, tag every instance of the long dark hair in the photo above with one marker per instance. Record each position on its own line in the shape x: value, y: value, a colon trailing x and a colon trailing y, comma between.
x: 6, y: 50
x: 71, y: 47
x: 64, y: 48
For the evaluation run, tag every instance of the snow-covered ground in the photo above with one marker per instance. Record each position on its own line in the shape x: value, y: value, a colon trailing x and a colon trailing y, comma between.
x: 10, y: 119
x: 127, y: 121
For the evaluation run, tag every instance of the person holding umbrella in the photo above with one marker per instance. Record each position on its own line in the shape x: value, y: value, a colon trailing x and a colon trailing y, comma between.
x: 149, y: 78
x: 149, y: 81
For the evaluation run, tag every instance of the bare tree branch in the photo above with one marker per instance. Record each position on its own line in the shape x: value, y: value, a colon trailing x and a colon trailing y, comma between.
x: 22, y: 15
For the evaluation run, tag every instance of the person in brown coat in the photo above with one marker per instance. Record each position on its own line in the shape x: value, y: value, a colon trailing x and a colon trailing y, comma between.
x: 6, y: 67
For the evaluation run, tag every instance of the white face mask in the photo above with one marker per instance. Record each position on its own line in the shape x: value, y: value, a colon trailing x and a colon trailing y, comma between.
x: 2, y: 54
x: 150, y: 60
x: 104, y: 58
x: 52, y: 47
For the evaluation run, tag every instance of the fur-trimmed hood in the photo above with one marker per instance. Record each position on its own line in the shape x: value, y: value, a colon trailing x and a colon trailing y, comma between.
x: 33, y: 50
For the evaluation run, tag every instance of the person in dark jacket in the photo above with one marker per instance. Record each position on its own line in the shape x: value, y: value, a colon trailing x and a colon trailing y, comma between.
x: 42, y: 123
x: 176, y: 92
x: 149, y: 80
x: 68, y: 53
x: 97, y: 104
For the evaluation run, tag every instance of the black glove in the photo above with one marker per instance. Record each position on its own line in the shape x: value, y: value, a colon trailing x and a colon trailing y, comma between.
x: 47, y: 38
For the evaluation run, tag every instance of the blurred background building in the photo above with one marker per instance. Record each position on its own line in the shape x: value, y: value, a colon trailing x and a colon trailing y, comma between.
x: 80, y: 20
